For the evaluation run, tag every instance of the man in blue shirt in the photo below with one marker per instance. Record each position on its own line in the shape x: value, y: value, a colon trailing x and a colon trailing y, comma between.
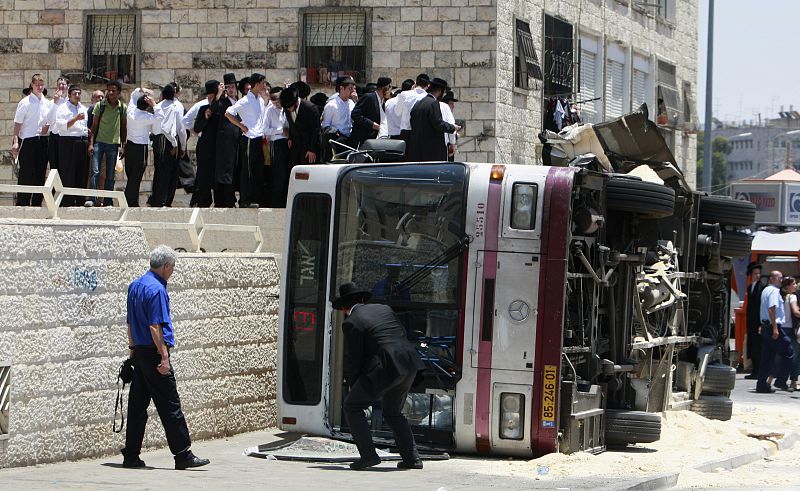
x: 150, y: 337
x: 776, y: 339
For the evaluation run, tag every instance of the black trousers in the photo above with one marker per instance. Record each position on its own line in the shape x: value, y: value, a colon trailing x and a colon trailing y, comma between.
x: 149, y: 385
x: 224, y: 195
x: 53, y: 151
x: 405, y: 135
x: 32, y: 168
x: 359, y: 399
x: 206, y: 153
x: 278, y: 183
x: 135, y: 163
x: 165, y: 175
x: 754, y: 348
x: 251, y: 180
x: 72, y: 169
x: 772, y: 349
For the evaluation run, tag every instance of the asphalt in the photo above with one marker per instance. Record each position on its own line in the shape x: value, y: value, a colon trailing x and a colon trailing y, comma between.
x: 231, y: 469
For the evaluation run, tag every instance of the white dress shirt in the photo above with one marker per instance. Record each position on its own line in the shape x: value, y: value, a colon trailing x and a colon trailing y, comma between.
x: 275, y: 123
x: 405, y: 103
x: 170, y: 112
x: 392, y: 118
x: 337, y: 114
x: 66, y: 112
x: 191, y: 114
x: 252, y: 110
x: 32, y: 114
x: 141, y: 124
x: 447, y: 116
x: 53, y: 115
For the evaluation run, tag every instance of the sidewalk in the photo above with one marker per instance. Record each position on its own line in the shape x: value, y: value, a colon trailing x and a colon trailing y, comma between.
x: 654, y: 466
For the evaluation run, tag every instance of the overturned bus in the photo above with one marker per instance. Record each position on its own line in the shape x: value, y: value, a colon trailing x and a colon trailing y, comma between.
x: 557, y: 307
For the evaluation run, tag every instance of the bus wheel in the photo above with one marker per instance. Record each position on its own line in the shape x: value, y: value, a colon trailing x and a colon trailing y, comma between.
x: 726, y: 211
x: 628, y: 427
x: 735, y: 244
x: 718, y: 379
x: 713, y: 407
x: 646, y: 199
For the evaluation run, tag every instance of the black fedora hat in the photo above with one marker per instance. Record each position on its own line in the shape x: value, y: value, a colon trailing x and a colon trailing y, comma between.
x: 449, y: 96
x: 229, y: 78
x: 212, y: 86
x: 350, y: 294
x: 240, y: 85
x: 440, y: 83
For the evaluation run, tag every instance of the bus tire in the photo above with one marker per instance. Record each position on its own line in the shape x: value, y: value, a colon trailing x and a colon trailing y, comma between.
x: 628, y: 427
x: 719, y: 379
x: 735, y: 244
x: 727, y: 211
x: 713, y: 407
x: 646, y: 199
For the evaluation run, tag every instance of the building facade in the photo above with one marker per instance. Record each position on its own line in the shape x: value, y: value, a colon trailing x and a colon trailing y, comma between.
x: 506, y: 59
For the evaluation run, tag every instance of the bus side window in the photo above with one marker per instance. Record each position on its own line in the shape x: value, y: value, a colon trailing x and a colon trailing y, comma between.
x: 523, y: 205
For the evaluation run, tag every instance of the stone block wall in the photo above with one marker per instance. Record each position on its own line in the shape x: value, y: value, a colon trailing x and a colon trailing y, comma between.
x: 62, y: 329
x: 621, y: 22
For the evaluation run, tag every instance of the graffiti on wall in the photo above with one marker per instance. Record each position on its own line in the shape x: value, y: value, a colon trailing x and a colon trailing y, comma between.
x: 82, y: 278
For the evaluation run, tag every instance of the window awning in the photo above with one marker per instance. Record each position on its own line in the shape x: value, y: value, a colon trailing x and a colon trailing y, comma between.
x: 527, y: 50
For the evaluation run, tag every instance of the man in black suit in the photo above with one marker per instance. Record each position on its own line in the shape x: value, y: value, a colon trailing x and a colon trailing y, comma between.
x: 369, y: 115
x: 227, y: 148
x: 380, y: 363
x: 754, y: 289
x: 206, y: 123
x: 305, y: 129
x: 426, y: 142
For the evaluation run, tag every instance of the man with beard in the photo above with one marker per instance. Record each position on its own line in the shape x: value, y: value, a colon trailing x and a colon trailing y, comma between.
x: 426, y: 141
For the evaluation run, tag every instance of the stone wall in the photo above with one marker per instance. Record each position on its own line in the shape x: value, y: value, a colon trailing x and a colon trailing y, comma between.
x: 62, y: 329
x: 617, y: 22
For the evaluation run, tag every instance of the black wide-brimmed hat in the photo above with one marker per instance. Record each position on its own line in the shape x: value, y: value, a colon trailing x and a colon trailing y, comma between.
x: 242, y: 83
x: 229, y: 78
x: 440, y: 83
x: 350, y: 294
x: 303, y: 89
x: 212, y: 86
x: 449, y: 96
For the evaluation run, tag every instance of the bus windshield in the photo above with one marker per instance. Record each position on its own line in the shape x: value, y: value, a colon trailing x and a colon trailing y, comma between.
x: 394, y: 222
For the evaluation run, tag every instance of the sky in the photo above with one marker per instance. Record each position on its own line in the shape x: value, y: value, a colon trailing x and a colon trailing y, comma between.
x: 756, y: 58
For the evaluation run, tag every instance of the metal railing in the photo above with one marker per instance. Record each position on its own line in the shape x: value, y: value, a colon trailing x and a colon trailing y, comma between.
x: 53, y: 191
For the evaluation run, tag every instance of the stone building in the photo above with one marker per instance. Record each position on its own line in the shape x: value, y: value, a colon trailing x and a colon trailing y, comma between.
x: 505, y: 59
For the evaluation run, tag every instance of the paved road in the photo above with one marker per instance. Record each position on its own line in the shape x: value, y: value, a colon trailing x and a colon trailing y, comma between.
x: 232, y: 470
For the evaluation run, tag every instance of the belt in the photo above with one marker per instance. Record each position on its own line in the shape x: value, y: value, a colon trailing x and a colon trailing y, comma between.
x: 37, y: 137
x: 82, y: 138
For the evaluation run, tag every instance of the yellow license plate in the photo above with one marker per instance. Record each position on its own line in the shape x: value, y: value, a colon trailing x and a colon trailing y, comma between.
x: 549, y: 392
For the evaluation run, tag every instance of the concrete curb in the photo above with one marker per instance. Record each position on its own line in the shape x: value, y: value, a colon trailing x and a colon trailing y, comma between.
x: 670, y: 479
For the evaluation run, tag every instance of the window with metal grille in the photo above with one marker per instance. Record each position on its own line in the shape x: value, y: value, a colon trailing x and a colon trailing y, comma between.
x: 558, y: 59
x: 110, y: 46
x: 588, y: 81
x: 5, y: 396
x: 526, y: 63
x: 334, y: 45
x: 615, y: 89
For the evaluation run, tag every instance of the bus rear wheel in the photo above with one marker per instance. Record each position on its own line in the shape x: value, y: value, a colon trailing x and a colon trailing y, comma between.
x: 629, y: 427
x: 726, y: 211
x: 646, y: 199
x: 718, y: 380
x: 713, y: 407
x: 735, y: 244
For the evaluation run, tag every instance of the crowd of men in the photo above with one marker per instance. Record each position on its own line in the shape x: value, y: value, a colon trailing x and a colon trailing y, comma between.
x: 249, y: 135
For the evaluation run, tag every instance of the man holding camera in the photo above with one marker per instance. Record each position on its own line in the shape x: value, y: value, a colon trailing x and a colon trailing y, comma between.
x: 150, y: 337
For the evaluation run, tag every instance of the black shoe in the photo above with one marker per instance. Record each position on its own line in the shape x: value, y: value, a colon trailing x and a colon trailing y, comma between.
x: 414, y: 464
x: 191, y: 461
x: 361, y: 464
x: 767, y: 390
x: 782, y: 387
x: 133, y: 463
x: 752, y: 376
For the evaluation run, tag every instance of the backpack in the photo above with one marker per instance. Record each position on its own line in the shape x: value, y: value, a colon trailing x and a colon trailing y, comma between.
x: 123, y: 120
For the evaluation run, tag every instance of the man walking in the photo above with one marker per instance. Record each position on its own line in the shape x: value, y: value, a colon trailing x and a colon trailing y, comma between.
x: 108, y: 132
x: 776, y: 336
x: 29, y: 143
x: 150, y: 338
x: 70, y: 122
x: 426, y: 142
x: 380, y: 364
x: 754, y: 289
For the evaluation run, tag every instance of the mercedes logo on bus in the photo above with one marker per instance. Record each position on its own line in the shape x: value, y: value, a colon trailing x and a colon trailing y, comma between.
x: 518, y: 310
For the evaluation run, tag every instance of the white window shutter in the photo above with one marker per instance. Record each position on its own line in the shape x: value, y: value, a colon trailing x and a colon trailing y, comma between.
x: 615, y: 87
x: 639, y: 88
x: 588, y: 84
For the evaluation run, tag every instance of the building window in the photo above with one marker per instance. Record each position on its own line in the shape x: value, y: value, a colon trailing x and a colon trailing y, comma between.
x: 668, y: 100
x: 334, y: 45
x: 526, y: 63
x: 111, y: 47
x: 558, y: 59
x: 689, y: 109
x: 666, y: 10
x: 588, y: 81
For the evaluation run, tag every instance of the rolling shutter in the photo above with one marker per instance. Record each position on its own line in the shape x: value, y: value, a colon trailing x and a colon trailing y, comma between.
x: 615, y: 86
x: 588, y: 84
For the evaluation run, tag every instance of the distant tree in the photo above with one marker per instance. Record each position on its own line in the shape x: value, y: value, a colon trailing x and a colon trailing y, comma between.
x: 720, y: 148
